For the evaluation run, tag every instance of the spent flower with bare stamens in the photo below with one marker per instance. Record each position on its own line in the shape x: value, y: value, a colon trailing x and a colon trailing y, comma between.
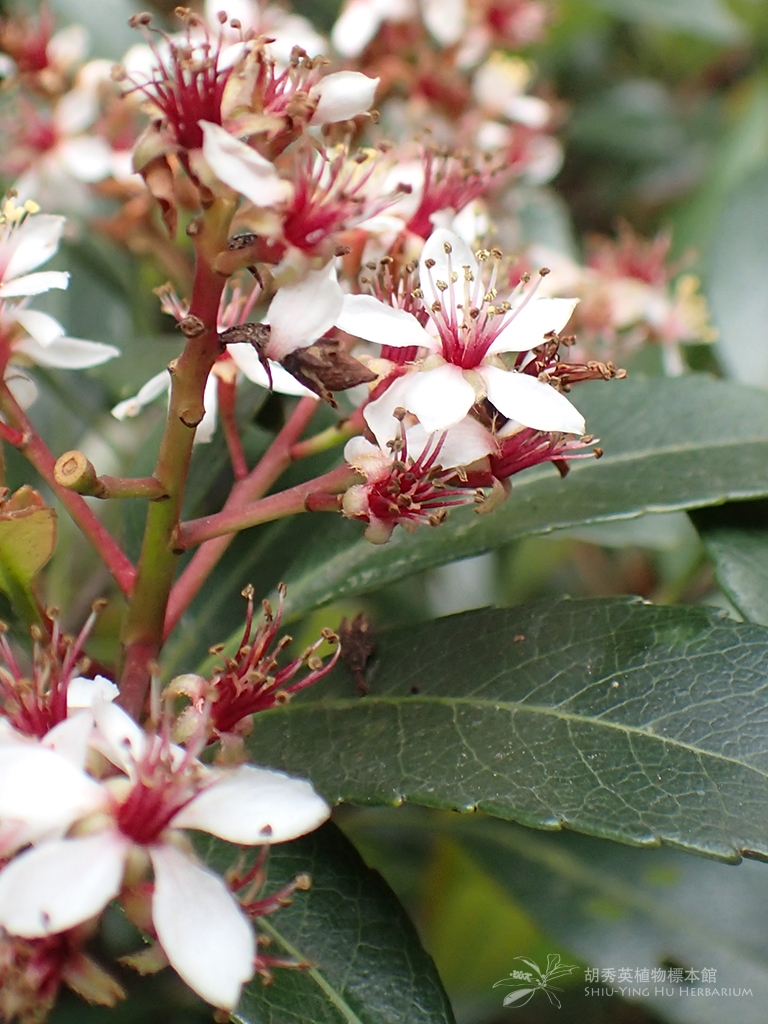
x: 450, y: 183
x: 253, y: 679
x: 35, y: 699
x: 33, y: 970
x: 187, y: 82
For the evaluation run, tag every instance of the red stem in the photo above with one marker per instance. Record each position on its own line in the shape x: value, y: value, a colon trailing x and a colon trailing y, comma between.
x: 275, y: 461
x: 276, y: 506
x: 36, y: 451
x: 226, y: 393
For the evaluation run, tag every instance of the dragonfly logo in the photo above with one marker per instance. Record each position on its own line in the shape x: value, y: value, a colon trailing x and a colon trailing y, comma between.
x: 525, y: 984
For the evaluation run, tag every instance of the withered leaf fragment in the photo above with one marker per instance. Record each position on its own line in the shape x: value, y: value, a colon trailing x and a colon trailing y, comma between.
x: 256, y: 335
x: 326, y: 367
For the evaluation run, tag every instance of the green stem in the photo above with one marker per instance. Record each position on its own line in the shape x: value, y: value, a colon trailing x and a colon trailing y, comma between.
x: 143, y: 630
x: 302, y: 498
x: 327, y: 439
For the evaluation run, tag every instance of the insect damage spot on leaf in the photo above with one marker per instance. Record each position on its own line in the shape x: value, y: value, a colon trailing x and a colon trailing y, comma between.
x: 357, y: 647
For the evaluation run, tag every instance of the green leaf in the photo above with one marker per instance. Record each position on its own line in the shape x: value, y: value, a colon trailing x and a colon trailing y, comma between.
x: 708, y: 18
x: 612, y: 717
x: 740, y: 560
x: 27, y: 540
x: 736, y: 269
x: 368, y: 966
x: 669, y: 444
x: 618, y: 907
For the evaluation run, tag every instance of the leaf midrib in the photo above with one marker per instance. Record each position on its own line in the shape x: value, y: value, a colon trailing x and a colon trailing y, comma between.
x: 325, y: 986
x: 451, y: 702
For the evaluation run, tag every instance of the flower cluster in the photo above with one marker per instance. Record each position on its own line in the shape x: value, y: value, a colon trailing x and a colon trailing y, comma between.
x: 631, y: 294
x: 93, y: 807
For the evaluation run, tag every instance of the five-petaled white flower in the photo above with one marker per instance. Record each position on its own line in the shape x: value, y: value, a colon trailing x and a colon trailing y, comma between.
x: 87, y: 834
x: 465, y: 330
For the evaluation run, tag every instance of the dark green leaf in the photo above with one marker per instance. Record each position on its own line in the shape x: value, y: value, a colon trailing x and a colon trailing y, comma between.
x: 612, y: 717
x: 737, y: 266
x: 368, y: 966
x: 669, y: 444
x: 618, y: 907
x: 740, y: 559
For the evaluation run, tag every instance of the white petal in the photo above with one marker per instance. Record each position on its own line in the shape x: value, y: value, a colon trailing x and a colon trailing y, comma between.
x: 367, y: 458
x: 440, y: 397
x: 460, y: 256
x: 378, y: 414
x: 528, y: 328
x: 68, y: 46
x: 75, y: 111
x: 463, y: 444
x: 356, y: 27
x: 61, y: 883
x: 39, y: 326
x: 365, y: 317
x: 34, y: 284
x: 445, y: 19
x: 532, y: 111
x: 14, y: 835
x: 301, y: 313
x: 531, y: 402
x: 87, y: 157
x: 206, y: 428
x: 36, y: 241
x: 82, y: 692
x: 343, y: 95
x: 206, y: 937
x: 154, y: 387
x: 241, y: 167
x: 249, y: 363
x: 253, y: 805
x: 70, y: 737
x: 118, y: 737
x: 22, y: 387
x: 67, y: 353
x: 41, y: 787
x: 543, y: 159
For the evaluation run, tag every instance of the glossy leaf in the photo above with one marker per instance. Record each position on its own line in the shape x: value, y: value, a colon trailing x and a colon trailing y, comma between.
x: 669, y: 444
x: 612, y: 717
x: 737, y: 265
x: 367, y: 965
x: 740, y: 559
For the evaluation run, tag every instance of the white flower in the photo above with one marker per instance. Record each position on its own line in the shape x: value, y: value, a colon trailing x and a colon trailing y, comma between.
x: 28, y: 239
x: 25, y: 243
x: 75, y: 157
x: 64, y: 880
x: 360, y: 20
x: 467, y: 328
x: 498, y: 86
